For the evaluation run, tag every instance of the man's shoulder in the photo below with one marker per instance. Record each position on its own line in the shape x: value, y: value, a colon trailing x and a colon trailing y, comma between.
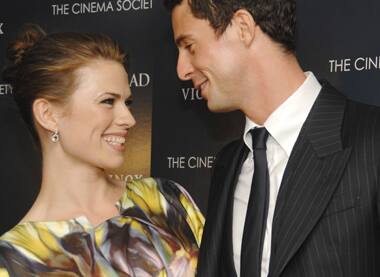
x: 361, y: 122
x: 361, y: 125
x: 353, y: 106
x: 362, y: 116
x: 354, y: 111
x: 363, y: 110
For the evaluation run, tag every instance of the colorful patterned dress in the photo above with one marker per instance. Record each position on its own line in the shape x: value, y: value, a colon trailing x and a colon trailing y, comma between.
x: 157, y: 233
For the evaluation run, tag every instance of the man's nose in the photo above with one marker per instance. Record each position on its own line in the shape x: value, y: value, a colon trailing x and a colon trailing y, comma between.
x: 184, y: 67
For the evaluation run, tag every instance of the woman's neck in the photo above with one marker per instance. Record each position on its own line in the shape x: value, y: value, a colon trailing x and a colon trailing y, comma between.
x: 72, y: 188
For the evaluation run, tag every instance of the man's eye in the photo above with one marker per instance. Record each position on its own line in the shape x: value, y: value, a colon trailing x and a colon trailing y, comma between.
x: 108, y: 101
x: 189, y: 47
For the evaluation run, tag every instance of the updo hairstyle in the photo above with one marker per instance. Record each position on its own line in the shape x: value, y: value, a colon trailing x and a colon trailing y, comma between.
x: 43, y: 65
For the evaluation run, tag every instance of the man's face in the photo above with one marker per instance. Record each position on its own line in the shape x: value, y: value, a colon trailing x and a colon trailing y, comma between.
x: 213, y: 63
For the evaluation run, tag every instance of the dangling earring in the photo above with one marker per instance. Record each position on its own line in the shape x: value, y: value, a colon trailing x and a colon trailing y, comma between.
x: 55, y: 137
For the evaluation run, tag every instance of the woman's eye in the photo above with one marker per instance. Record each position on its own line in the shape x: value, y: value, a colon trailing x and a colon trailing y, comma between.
x: 108, y: 101
x: 129, y: 102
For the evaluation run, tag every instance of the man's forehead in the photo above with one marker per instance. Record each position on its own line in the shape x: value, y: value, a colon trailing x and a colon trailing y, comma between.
x: 182, y: 19
x: 181, y: 10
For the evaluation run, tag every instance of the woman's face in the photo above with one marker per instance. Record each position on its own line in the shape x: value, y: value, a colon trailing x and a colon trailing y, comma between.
x: 95, y: 122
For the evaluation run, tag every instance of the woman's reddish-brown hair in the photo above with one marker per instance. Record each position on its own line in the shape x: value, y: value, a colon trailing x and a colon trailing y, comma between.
x: 43, y: 65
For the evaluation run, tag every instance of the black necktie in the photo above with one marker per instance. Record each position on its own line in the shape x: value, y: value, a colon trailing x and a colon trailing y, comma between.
x: 255, y: 221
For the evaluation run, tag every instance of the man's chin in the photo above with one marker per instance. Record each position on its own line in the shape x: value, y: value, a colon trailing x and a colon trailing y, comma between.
x: 217, y: 108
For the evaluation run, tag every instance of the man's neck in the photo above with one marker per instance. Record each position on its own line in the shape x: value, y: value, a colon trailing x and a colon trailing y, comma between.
x: 277, y: 79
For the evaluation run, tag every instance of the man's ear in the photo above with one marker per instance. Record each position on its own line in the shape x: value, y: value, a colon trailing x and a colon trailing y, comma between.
x: 246, y: 26
x: 45, y: 114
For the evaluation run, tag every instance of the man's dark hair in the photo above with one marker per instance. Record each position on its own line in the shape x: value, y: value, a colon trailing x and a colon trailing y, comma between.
x: 276, y: 18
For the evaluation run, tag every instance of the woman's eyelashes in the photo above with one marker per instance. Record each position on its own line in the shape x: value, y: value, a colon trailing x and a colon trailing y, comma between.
x: 128, y: 102
x: 111, y: 101
x: 108, y: 101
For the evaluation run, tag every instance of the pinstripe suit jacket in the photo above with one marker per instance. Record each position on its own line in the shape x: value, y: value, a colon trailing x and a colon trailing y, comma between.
x: 326, y: 221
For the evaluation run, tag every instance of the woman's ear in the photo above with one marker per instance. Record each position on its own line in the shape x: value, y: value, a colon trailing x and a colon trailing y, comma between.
x: 45, y: 114
x: 246, y: 26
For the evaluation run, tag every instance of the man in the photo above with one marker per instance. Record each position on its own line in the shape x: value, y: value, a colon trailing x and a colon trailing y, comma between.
x: 297, y: 195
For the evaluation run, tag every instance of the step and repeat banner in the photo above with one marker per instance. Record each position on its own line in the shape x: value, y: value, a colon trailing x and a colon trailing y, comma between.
x: 175, y: 135
x: 340, y: 41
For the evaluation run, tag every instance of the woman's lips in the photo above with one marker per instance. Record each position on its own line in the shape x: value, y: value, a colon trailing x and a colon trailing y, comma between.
x: 117, y: 142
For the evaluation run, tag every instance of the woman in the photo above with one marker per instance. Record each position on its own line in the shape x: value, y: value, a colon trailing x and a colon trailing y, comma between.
x: 73, y: 93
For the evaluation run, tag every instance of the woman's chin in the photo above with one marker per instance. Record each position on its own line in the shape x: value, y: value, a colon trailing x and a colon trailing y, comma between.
x: 114, y: 165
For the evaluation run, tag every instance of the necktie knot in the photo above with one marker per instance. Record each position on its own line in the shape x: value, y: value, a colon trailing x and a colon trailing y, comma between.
x: 259, y: 138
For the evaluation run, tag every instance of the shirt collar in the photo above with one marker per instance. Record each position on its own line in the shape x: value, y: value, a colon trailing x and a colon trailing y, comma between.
x: 285, y: 123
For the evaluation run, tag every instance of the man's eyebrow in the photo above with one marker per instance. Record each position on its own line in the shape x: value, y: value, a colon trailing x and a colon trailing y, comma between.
x: 179, y: 40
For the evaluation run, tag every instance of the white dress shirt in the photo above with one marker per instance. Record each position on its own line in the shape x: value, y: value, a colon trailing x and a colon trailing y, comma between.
x: 284, y: 126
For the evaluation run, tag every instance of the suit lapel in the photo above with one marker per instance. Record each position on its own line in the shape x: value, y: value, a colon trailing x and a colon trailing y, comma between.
x: 216, y: 251
x: 228, y: 258
x: 314, y: 169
